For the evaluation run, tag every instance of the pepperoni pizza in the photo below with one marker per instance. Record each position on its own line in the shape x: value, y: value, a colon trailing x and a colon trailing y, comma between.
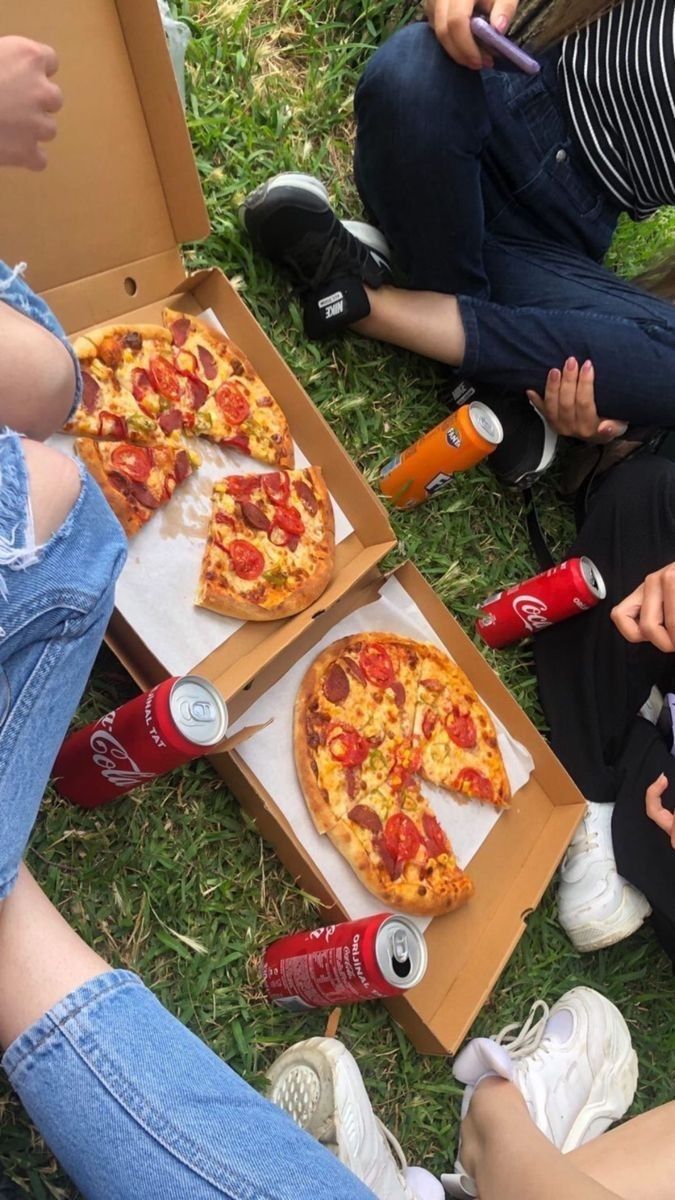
x: 136, y: 480
x: 271, y: 546
x: 370, y: 721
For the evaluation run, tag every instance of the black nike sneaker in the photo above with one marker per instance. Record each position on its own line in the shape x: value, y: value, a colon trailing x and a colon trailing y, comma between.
x: 290, y: 220
x: 529, y: 445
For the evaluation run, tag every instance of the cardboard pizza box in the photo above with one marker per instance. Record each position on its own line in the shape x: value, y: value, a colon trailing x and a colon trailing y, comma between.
x: 100, y: 232
x: 468, y: 949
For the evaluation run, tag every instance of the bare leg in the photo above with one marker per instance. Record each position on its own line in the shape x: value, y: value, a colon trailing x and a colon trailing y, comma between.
x: 636, y: 1160
x: 511, y: 1160
x: 54, y: 483
x: 37, y: 376
x: 41, y: 958
x: 427, y: 323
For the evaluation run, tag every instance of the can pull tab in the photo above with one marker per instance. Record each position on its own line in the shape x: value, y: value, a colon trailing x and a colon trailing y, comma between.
x: 400, y: 953
x: 196, y: 712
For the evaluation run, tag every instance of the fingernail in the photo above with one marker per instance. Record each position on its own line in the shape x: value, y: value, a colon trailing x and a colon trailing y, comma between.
x: 532, y: 396
x: 587, y: 367
x: 554, y: 375
x: 501, y: 23
x: 571, y: 364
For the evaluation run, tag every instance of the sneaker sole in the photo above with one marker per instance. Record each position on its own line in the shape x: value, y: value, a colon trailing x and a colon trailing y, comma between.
x: 287, y: 180
x: 613, y: 1087
x: 598, y: 935
x: 302, y: 1083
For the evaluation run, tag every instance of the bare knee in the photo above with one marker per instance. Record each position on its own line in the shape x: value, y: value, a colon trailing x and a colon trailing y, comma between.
x: 54, y: 486
x: 37, y: 376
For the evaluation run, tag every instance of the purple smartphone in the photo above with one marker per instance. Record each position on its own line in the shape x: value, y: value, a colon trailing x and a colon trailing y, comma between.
x: 502, y: 46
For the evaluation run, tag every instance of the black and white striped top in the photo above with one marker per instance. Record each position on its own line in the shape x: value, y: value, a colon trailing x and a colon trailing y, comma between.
x: 619, y: 78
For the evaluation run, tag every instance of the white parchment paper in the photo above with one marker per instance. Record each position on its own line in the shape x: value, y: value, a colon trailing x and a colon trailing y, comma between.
x: 155, y: 592
x: 269, y: 754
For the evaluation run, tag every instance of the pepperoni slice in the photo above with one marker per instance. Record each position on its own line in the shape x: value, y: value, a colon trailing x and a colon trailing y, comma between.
x: 198, y: 393
x: 90, y: 392
x: 169, y: 420
x: 165, y: 379
x: 354, y: 670
x: 399, y: 693
x: 289, y: 519
x: 143, y: 495
x: 305, y: 494
x: 336, y: 684
x: 279, y: 536
x: 392, y: 868
x: 432, y: 685
x: 209, y: 364
x: 366, y: 817
x: 232, y: 403
x: 376, y: 665
x: 429, y: 723
x: 436, y: 841
x: 401, y: 837
x: 254, y: 516
x: 133, y: 340
x: 473, y: 783
x: 141, y: 383
x: 111, y: 426
x: 225, y: 519
x: 277, y: 487
x: 352, y: 777
x: 240, y: 442
x: 242, y: 486
x: 133, y: 461
x: 179, y: 331
x: 247, y: 561
x: 346, y: 745
x: 462, y: 730
x: 182, y: 466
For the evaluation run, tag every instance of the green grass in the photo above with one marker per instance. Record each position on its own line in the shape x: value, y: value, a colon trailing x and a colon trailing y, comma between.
x: 271, y: 88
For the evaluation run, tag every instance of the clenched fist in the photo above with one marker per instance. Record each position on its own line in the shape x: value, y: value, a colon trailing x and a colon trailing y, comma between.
x: 29, y: 101
x: 450, y: 21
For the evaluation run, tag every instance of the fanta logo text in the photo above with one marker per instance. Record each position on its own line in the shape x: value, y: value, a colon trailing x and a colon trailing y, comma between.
x: 454, y: 438
x: 114, y: 762
x: 532, y: 612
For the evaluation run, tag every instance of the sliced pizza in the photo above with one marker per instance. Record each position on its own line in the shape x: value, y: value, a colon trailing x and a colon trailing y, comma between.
x: 271, y: 545
x: 136, y: 480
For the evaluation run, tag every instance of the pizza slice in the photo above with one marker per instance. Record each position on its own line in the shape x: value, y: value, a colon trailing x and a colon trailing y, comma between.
x: 398, y: 849
x: 231, y: 405
x: 136, y: 480
x: 455, y: 734
x: 271, y: 545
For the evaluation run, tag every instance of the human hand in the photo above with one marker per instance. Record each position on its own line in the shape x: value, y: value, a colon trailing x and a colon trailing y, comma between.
x: 450, y: 21
x: 569, y: 404
x: 648, y: 614
x: 29, y: 101
x: 655, y: 810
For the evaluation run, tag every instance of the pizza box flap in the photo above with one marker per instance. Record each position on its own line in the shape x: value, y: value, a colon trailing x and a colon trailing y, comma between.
x: 122, y: 185
x: 468, y: 949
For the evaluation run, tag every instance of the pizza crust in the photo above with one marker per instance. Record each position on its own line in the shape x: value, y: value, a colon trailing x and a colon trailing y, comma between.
x: 127, y: 515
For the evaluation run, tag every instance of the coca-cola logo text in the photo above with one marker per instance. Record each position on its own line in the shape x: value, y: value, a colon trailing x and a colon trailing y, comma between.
x: 113, y: 761
x: 532, y: 612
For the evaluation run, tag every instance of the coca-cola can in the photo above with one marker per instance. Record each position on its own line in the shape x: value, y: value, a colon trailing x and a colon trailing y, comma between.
x: 557, y: 594
x: 178, y: 720
x: 340, y: 964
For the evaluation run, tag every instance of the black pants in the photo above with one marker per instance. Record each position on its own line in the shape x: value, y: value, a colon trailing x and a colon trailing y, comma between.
x: 592, y: 681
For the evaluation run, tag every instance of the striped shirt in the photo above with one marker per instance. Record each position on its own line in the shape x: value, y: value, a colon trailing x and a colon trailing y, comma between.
x: 619, y: 79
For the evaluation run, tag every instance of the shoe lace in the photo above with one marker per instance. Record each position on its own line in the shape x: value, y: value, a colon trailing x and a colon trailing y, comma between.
x: 341, y: 250
x: 523, y: 1040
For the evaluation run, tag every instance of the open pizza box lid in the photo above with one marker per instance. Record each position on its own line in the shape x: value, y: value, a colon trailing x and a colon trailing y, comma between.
x: 100, y: 231
x: 467, y: 949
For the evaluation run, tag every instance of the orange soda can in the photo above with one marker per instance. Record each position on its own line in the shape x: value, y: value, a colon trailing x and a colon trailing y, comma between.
x: 459, y: 442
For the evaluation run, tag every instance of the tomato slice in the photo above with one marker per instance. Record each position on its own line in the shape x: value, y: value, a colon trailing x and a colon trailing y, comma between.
x: 277, y: 487
x: 165, y: 379
x: 462, y: 730
x: 141, y: 383
x: 401, y: 837
x: 376, y: 665
x: 473, y: 783
x: 133, y: 461
x: 289, y: 519
x: 246, y: 559
x: 112, y: 426
x: 347, y: 745
x: 232, y: 403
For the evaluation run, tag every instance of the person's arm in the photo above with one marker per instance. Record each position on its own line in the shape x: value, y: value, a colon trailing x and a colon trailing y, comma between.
x: 29, y: 100
x: 648, y: 614
x: 568, y: 404
x: 450, y: 21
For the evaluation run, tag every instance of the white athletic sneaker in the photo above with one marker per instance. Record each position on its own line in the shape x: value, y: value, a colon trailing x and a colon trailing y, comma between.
x: 319, y: 1085
x: 596, y: 907
x: 575, y: 1067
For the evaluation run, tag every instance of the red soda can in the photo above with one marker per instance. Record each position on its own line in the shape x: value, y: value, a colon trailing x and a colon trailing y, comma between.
x: 340, y: 964
x: 561, y: 592
x: 155, y: 732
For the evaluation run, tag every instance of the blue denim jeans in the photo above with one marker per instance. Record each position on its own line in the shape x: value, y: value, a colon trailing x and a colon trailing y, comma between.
x: 135, y: 1107
x: 482, y: 192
